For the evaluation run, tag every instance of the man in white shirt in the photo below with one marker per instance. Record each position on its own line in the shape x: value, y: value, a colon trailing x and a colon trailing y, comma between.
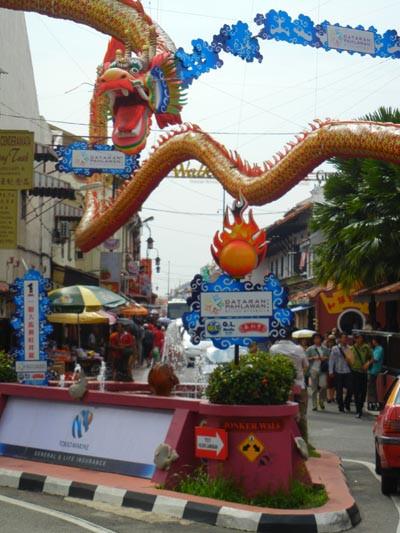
x: 298, y: 357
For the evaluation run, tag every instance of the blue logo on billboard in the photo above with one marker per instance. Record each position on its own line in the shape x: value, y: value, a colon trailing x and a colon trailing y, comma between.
x: 213, y: 327
x: 81, y: 423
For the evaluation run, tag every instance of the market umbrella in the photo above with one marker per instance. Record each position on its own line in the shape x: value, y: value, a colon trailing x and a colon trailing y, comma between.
x: 80, y: 298
x: 303, y: 334
x: 134, y: 310
x: 87, y: 317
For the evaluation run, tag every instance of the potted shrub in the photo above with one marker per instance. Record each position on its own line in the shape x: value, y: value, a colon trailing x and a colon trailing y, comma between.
x: 249, y: 400
x: 258, y: 379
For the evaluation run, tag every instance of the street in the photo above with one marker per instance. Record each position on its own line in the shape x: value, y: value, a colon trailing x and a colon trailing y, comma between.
x: 330, y: 430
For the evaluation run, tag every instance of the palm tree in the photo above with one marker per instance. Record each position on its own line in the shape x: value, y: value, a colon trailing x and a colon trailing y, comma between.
x: 360, y: 220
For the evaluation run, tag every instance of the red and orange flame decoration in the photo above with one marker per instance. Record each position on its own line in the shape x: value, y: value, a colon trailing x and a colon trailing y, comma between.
x: 241, y: 246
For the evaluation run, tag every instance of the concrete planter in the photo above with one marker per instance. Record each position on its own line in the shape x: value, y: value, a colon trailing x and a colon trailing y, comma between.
x: 262, y: 453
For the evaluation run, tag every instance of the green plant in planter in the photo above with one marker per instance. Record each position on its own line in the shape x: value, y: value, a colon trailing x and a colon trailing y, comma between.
x: 259, y: 378
x: 7, y: 369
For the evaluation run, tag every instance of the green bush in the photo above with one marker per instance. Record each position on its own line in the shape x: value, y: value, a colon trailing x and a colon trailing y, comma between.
x: 7, y: 369
x: 259, y: 378
x: 299, y: 495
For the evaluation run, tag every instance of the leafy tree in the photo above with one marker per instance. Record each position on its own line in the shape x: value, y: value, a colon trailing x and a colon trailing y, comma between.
x: 360, y: 220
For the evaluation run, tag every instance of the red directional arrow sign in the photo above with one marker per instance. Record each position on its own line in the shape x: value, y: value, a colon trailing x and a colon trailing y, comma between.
x: 211, y: 443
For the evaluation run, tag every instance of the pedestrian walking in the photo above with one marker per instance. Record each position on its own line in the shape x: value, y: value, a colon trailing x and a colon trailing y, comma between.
x: 147, y: 344
x: 129, y: 352
x: 115, y: 350
x: 375, y: 367
x: 318, y: 357
x: 362, y: 355
x: 329, y: 343
x: 339, y: 369
x: 298, y: 356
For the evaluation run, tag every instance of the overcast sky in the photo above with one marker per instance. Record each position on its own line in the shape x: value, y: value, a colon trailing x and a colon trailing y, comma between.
x: 254, y: 108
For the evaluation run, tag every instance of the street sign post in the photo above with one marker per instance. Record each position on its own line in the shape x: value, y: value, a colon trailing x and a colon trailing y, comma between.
x: 211, y: 443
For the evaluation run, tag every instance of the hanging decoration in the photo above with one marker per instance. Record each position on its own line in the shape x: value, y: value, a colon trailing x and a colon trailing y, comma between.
x: 232, y: 312
x: 143, y: 76
x: 241, y: 246
x: 31, y: 327
x: 85, y: 160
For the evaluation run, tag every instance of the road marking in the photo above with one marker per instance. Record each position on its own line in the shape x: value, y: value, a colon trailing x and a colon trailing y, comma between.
x: 371, y: 468
x: 80, y: 522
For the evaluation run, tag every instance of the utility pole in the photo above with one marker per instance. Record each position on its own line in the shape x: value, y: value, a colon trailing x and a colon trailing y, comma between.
x: 169, y: 273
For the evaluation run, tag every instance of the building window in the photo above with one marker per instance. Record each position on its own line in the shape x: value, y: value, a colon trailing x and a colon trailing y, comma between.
x: 282, y: 265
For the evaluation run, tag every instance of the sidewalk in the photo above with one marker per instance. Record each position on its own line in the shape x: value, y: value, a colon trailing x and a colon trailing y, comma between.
x: 339, y: 514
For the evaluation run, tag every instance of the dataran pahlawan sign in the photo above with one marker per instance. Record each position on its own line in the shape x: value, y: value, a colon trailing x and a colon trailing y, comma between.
x: 229, y: 311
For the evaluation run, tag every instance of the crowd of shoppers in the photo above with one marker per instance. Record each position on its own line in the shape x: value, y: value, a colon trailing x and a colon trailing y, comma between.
x: 337, y: 367
x: 134, y: 345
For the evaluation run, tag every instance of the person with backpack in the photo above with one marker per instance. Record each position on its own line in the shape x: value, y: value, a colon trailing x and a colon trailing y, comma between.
x: 339, y: 369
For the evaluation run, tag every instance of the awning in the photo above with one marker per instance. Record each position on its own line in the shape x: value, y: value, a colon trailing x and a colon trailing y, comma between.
x: 133, y: 309
x: 382, y: 293
x: 305, y: 296
x: 299, y: 308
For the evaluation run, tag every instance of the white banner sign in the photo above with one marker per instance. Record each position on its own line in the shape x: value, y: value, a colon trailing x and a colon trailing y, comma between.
x: 114, y: 439
x: 92, y: 159
x: 236, y: 304
x: 237, y: 327
x: 351, y: 40
x: 31, y: 320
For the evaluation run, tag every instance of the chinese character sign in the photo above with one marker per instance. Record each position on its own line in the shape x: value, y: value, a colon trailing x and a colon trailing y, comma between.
x: 8, y: 219
x: 32, y: 320
x: 229, y: 311
x: 31, y: 326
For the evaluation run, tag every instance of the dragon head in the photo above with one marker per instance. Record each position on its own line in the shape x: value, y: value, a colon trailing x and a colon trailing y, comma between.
x: 139, y: 86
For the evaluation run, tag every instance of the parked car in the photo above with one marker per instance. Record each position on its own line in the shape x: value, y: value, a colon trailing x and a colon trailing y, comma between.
x: 387, y: 440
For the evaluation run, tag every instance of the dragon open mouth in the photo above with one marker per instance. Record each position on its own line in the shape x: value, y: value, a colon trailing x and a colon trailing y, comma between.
x: 132, y: 120
x: 130, y: 110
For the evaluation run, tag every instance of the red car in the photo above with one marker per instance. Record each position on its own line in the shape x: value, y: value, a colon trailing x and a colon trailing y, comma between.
x: 387, y: 440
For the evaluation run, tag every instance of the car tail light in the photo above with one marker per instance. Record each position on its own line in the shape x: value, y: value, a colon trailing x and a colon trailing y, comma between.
x: 391, y: 427
x: 391, y: 422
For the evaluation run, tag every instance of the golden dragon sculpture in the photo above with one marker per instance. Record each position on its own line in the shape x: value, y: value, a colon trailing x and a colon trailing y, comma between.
x: 139, y: 66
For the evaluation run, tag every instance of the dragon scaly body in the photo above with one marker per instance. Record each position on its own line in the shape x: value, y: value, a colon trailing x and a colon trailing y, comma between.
x: 258, y: 185
x: 149, y: 84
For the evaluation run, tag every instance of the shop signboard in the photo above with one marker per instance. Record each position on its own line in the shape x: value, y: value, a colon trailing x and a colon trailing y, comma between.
x: 104, y: 438
x: 8, y: 219
x: 84, y: 160
x: 233, y: 312
x: 110, y: 270
x: 32, y: 329
x: 16, y: 159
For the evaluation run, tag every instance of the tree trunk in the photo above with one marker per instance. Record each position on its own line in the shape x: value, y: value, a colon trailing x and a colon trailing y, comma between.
x: 372, y: 312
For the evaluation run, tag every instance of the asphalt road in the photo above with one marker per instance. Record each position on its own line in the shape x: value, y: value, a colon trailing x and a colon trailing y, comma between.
x: 341, y: 433
x: 352, y: 440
